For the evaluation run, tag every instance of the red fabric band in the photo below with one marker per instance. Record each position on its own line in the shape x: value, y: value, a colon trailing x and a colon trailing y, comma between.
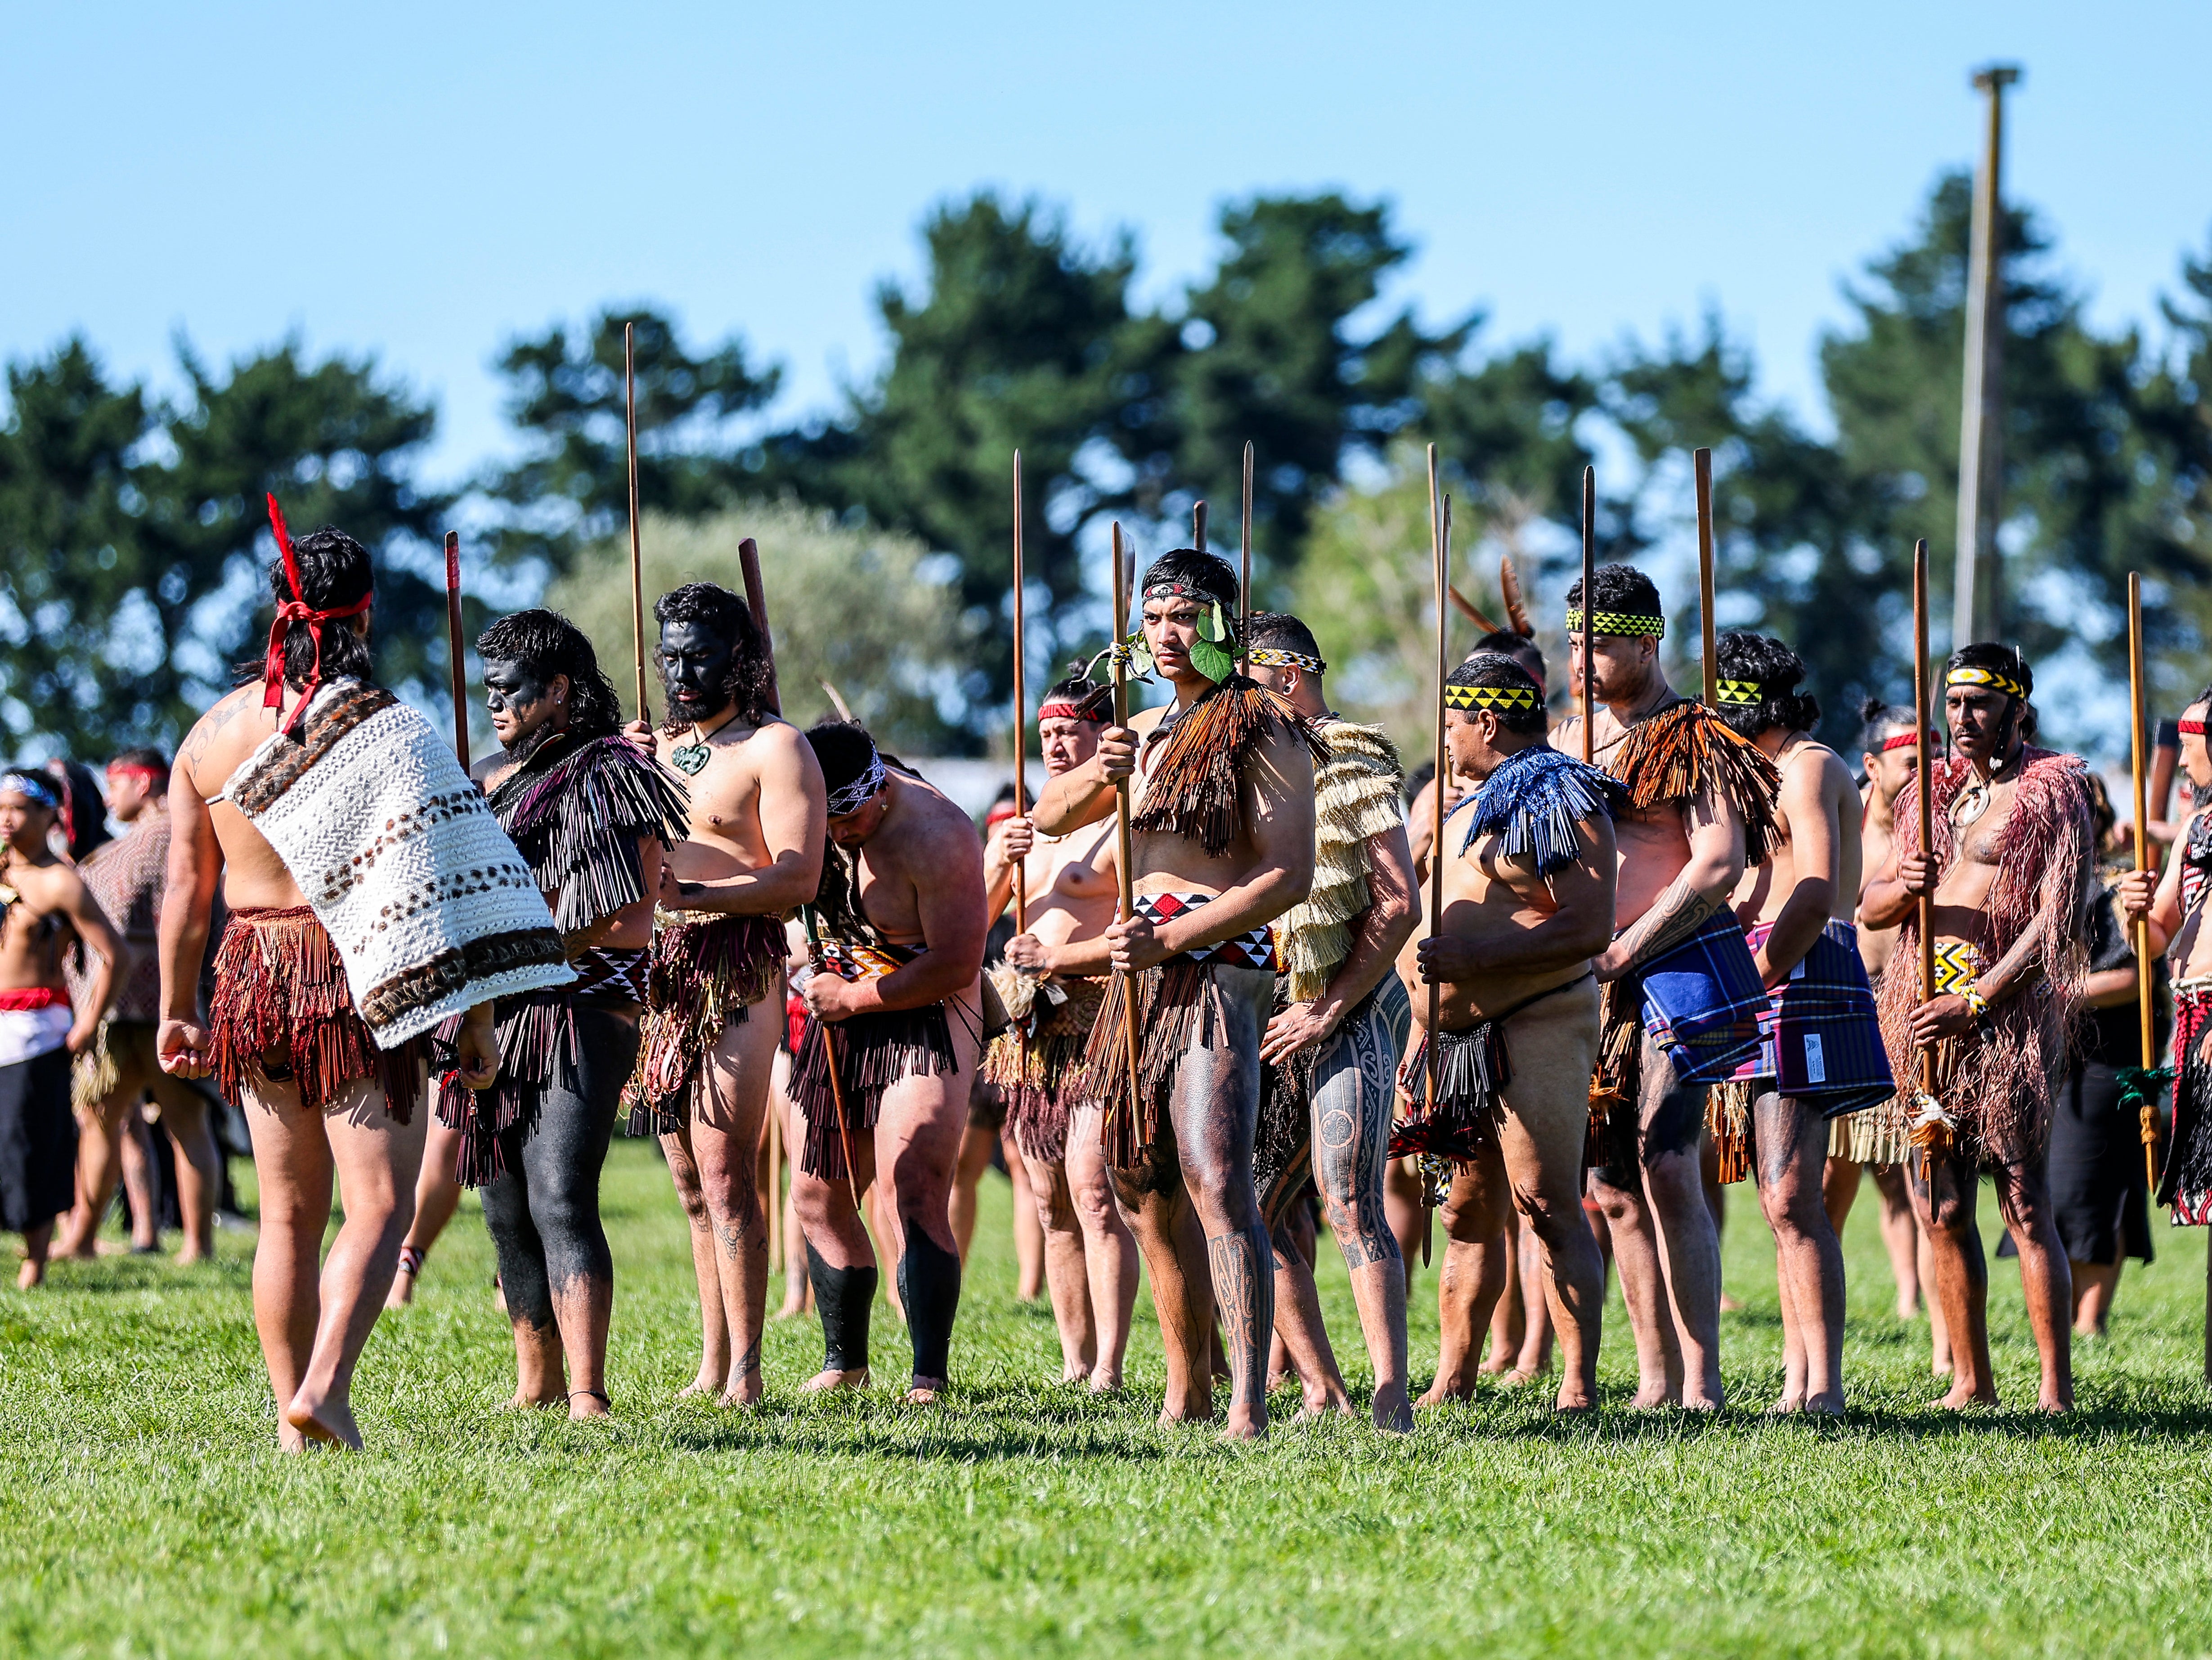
x: 2190, y: 728
x: 1905, y: 740
x: 1067, y: 711
x: 297, y: 610
x: 32, y: 998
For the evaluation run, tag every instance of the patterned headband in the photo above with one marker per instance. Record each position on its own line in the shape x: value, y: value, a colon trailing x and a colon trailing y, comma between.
x: 1995, y: 680
x: 1061, y: 709
x: 1621, y: 623
x: 1182, y: 591
x: 1901, y: 740
x: 2190, y: 728
x: 1490, y: 697
x: 40, y: 787
x: 1740, y: 694
x: 1269, y: 657
x: 851, y: 798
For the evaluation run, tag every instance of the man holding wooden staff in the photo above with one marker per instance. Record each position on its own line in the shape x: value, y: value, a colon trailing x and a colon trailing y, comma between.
x: 1682, y: 995
x: 1224, y: 844
x: 2013, y: 857
x: 708, y: 1039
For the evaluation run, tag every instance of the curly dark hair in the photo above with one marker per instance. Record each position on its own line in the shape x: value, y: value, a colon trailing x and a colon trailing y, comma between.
x: 1283, y: 631
x: 1761, y: 658
x: 1620, y: 588
x: 335, y: 570
x: 1208, y: 574
x: 547, y: 643
x: 752, y: 673
x: 1496, y: 669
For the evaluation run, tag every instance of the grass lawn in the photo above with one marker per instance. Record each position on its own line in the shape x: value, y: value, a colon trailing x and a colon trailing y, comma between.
x: 144, y: 1509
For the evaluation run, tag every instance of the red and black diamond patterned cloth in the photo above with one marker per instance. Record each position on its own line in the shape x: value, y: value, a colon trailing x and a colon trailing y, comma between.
x: 1253, y: 949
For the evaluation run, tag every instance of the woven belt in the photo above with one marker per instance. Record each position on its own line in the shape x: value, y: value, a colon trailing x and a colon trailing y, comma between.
x: 1253, y: 949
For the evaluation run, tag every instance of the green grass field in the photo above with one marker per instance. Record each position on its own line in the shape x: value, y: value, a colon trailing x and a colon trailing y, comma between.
x: 144, y: 1509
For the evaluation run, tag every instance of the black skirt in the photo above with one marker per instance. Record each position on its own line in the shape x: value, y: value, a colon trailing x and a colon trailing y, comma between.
x: 2098, y: 1190
x: 38, y: 1141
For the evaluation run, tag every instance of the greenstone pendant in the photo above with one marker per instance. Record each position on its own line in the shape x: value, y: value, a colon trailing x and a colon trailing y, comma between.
x: 689, y: 758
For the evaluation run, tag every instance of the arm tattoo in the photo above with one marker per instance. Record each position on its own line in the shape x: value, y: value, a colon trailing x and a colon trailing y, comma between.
x: 1674, y: 917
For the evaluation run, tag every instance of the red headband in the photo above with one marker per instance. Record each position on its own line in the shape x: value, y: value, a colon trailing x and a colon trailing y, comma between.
x: 297, y: 610
x: 138, y: 767
x: 1906, y: 739
x: 2190, y: 728
x: 1064, y: 710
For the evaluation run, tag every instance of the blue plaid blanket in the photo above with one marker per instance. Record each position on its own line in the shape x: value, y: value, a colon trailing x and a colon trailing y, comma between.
x: 1702, y: 1001
x: 1827, y: 1040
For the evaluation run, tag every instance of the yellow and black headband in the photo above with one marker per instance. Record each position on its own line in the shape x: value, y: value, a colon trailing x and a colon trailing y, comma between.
x: 1270, y: 657
x: 1490, y: 697
x: 1995, y: 680
x: 1740, y: 694
x: 1625, y: 624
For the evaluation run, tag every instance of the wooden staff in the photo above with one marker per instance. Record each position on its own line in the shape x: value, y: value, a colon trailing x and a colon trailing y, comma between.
x: 1440, y: 566
x: 2144, y: 977
x: 1925, y: 787
x: 749, y: 566
x: 636, y: 555
x: 814, y: 955
x: 454, y: 651
x: 1198, y: 526
x: 1244, y: 585
x: 1125, y: 858
x: 1021, y: 709
x: 1704, y: 459
x: 1589, y: 613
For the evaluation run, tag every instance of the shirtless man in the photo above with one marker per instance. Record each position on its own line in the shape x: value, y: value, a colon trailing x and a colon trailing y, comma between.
x: 283, y: 1037
x: 44, y: 905
x: 713, y: 988
x: 1873, y: 1143
x: 1524, y: 914
x: 1823, y: 1056
x: 1059, y: 966
x: 2012, y: 862
x: 126, y: 877
x: 1331, y: 1049
x: 892, y: 1037
x: 1224, y: 844
x: 1683, y: 995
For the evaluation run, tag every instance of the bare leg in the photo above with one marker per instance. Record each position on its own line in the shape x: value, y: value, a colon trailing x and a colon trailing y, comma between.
x: 1409, y: 1218
x: 729, y: 1116
x: 99, y: 1170
x: 1166, y: 1229
x: 185, y: 1116
x: 138, y: 1181
x: 1789, y: 1156
x: 375, y: 1162
x: 1064, y: 1267
x: 1709, y: 1173
x: 1475, y: 1271
x: 2095, y: 1284
x: 798, y: 1291
x: 1900, y: 1236
x: 1535, y: 1357
x: 1109, y: 1250
x: 1299, y: 1331
x: 1686, y: 1226
x: 977, y: 1142
x: 437, y: 1196
x: 842, y: 1263
x: 918, y: 1144
x: 705, y: 1267
x: 1509, y: 1322
x: 1028, y: 1231
x: 1939, y: 1335
x: 1643, y: 1288
x: 1943, y: 1199
x: 1839, y: 1189
x: 2024, y: 1201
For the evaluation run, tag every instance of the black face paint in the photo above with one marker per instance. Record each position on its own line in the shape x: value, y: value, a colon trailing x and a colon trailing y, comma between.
x: 929, y: 1287
x: 695, y: 669
x: 845, y: 1296
x: 523, y: 713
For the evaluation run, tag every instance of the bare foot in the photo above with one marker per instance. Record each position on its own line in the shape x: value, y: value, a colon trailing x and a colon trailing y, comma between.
x: 702, y: 1385
x: 1712, y: 1402
x: 827, y: 1379
x: 1788, y: 1403
x: 1447, y: 1388
x: 1394, y: 1413
x: 1074, y: 1372
x: 520, y: 1402
x: 1730, y: 1305
x: 28, y: 1277
x: 1196, y: 1409
x: 746, y: 1391
x: 1572, y: 1399
x: 589, y: 1403
x: 2051, y: 1399
x: 1494, y: 1365
x: 793, y: 1306
x: 403, y: 1290
x: 188, y: 1255
x: 1648, y: 1398
x: 1105, y: 1383
x: 1247, y: 1424
x: 926, y: 1391
x: 329, y: 1421
x: 1516, y: 1379
x: 1824, y: 1406
x: 1312, y: 1412
x: 1962, y: 1397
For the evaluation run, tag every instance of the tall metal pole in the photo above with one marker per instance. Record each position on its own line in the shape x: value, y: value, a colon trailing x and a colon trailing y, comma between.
x: 1978, y: 591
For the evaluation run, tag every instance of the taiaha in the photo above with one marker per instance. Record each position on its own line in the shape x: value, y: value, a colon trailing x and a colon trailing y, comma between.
x: 1589, y: 612
x: 829, y: 1058
x: 2142, y: 1085
x: 1930, y: 1126
x: 1509, y: 590
x: 749, y: 567
x: 453, y: 646
x: 1244, y: 584
x: 1440, y: 565
x: 1198, y: 525
x: 1125, y: 861
x: 636, y: 553
x: 1704, y: 459
x: 1021, y: 711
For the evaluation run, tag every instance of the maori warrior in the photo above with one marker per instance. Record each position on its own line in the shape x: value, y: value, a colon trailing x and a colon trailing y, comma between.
x: 1820, y: 1051
x: 1682, y: 997
x: 881, y: 1074
x: 707, y: 1041
x: 1052, y: 982
x: 2008, y: 875
x: 1224, y: 844
x: 1529, y: 880
x: 326, y: 808
x: 1332, y: 1045
x: 594, y: 817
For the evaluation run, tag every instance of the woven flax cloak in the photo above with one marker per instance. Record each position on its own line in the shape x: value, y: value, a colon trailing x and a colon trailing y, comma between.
x: 1356, y: 795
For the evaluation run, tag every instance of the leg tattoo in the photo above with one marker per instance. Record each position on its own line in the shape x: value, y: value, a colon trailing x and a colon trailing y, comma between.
x: 847, y: 1298
x: 929, y: 1285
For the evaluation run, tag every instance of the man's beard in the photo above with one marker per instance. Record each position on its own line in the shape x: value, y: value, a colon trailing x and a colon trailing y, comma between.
x: 530, y: 742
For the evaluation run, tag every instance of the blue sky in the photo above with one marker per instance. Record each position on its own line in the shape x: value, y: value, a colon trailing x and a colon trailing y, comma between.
x: 421, y: 180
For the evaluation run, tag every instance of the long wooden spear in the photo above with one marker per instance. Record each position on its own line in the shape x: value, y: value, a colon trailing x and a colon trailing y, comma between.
x: 749, y: 567
x: 1924, y: 786
x: 2145, y: 1082
x: 1244, y: 585
x: 1198, y: 526
x: 1440, y: 566
x: 453, y: 648
x: 636, y: 553
x: 1590, y: 612
x: 1125, y: 858
x: 1021, y: 710
x: 1704, y: 459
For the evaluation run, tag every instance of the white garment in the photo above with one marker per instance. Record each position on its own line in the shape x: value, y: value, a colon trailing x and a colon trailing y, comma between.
x: 27, y: 1034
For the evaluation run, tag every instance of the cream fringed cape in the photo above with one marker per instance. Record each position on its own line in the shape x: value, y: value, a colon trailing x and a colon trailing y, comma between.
x: 430, y: 907
x: 1355, y: 795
